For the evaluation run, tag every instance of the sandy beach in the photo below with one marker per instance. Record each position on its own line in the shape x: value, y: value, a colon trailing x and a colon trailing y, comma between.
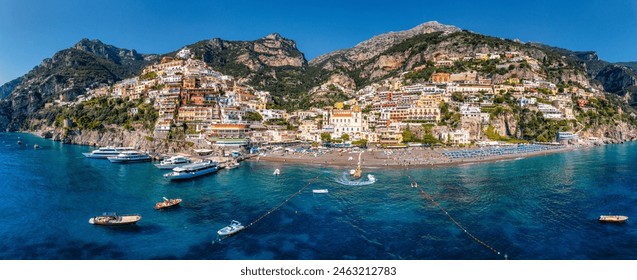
x: 412, y: 157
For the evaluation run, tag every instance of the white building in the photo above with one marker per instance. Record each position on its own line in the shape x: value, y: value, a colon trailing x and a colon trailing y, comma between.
x: 348, y: 122
x: 527, y: 101
x: 549, y: 111
x: 458, y: 137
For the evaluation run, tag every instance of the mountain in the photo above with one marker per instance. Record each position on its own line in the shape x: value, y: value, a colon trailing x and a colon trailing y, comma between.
x: 349, y: 66
x: 618, y: 78
x: 275, y: 64
x: 372, y: 47
x: 66, y: 75
x: 272, y: 63
x: 412, y: 52
x: 632, y: 65
x: 8, y: 87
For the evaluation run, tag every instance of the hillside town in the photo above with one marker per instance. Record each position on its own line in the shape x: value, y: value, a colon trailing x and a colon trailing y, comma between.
x: 453, y: 109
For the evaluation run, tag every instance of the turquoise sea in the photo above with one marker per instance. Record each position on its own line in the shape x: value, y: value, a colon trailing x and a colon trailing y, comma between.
x: 543, y: 207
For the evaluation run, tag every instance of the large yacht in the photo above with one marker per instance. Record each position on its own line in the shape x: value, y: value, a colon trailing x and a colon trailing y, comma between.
x: 105, y: 152
x: 173, y: 162
x: 193, y: 170
x: 130, y: 156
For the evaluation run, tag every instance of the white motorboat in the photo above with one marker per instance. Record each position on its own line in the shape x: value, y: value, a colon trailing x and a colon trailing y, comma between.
x: 193, y: 170
x: 129, y: 157
x: 113, y: 219
x: 371, y: 178
x: 105, y: 152
x: 276, y: 172
x: 320, y: 191
x: 233, y: 228
x: 173, y: 162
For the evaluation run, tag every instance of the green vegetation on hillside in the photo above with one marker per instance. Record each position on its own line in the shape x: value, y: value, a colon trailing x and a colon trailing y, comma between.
x: 96, y: 113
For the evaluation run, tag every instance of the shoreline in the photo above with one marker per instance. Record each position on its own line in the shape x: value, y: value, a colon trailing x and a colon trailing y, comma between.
x: 410, y: 157
x: 399, y: 159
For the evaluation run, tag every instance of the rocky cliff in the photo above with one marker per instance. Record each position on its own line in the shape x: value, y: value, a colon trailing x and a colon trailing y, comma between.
x: 8, y: 87
x: 118, y: 137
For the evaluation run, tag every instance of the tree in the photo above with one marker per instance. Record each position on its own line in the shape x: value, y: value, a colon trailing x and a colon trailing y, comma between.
x: 345, y: 137
x: 360, y: 143
x: 429, y: 139
x: 408, y: 136
x: 253, y: 116
x: 326, y: 137
x: 458, y: 97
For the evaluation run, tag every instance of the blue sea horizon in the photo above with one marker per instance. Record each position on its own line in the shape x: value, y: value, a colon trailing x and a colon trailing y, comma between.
x: 538, y: 208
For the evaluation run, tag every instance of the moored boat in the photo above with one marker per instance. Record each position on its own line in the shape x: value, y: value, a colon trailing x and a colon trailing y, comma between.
x: 173, y: 162
x: 105, y: 152
x: 113, y: 219
x: 612, y: 218
x: 276, y: 172
x: 232, y: 165
x: 130, y: 157
x: 167, y: 203
x: 192, y: 170
x: 233, y: 228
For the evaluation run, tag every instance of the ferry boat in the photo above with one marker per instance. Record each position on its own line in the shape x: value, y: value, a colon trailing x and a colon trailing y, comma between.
x: 113, y: 219
x: 129, y: 157
x: 612, y: 218
x: 167, y: 203
x: 105, y: 152
x: 233, y: 228
x: 193, y: 170
x: 173, y: 162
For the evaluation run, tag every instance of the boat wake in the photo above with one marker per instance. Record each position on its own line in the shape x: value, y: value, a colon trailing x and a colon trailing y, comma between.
x: 346, y: 179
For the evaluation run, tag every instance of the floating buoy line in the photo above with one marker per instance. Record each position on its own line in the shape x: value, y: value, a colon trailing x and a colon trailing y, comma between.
x: 273, y: 209
x: 414, y: 184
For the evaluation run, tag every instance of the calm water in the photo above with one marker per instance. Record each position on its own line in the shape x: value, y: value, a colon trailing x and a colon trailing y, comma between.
x: 536, y: 208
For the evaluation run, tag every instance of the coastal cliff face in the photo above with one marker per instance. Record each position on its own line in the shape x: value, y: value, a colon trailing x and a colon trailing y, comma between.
x: 117, y: 137
x: 611, y: 134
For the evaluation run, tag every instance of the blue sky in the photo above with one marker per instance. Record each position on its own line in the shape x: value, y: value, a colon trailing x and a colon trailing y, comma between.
x: 31, y: 31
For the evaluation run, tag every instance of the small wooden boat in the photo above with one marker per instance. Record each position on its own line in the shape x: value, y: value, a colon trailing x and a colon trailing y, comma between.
x: 612, y: 218
x: 167, y: 203
x: 232, y: 165
x: 112, y: 219
x: 320, y: 191
x: 233, y: 228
